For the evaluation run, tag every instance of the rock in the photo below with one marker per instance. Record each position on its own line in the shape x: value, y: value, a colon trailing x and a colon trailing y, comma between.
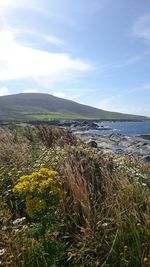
x: 146, y: 158
x: 116, y: 137
x: 90, y: 124
x: 92, y: 143
x: 120, y: 151
x: 118, y: 144
x: 145, y: 136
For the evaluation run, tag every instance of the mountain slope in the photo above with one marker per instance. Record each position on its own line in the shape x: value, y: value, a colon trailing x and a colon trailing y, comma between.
x: 44, y: 106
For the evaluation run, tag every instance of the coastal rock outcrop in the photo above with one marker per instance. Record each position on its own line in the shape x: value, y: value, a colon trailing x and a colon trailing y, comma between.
x: 119, y: 144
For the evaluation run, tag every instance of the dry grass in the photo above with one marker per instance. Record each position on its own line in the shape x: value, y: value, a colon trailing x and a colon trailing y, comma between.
x: 104, y: 214
x: 13, y: 149
x: 107, y: 211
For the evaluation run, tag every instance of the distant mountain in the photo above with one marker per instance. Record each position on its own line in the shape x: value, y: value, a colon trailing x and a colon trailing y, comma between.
x: 35, y: 106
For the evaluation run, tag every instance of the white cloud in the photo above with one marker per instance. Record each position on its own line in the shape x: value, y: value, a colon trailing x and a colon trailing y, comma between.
x: 53, y: 40
x: 11, y: 4
x: 20, y: 62
x: 132, y: 109
x: 109, y: 104
x: 147, y: 86
x: 49, y: 38
x: 105, y: 103
x: 112, y: 104
x: 9, y: 10
x: 141, y: 28
x: 8, y: 7
x: 6, y: 3
x: 4, y: 91
x: 59, y: 94
x: 30, y: 91
x: 65, y: 96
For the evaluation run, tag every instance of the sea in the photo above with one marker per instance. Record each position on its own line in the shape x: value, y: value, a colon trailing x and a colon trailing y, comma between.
x: 129, y: 128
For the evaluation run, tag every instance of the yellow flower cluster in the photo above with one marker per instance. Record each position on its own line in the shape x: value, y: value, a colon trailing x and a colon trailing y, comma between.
x: 39, y: 181
x: 38, y: 187
x: 34, y: 205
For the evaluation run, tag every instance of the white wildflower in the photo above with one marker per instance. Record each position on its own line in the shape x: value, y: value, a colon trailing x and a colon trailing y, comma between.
x: 105, y: 224
x: 19, y: 220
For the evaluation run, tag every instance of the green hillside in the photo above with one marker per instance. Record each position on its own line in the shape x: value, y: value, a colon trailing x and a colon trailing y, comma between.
x: 35, y: 106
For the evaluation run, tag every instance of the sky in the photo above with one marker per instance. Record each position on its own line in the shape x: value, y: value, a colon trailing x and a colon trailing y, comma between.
x: 95, y: 52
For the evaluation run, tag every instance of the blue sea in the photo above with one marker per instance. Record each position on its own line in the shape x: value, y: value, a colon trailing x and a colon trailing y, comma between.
x: 129, y: 128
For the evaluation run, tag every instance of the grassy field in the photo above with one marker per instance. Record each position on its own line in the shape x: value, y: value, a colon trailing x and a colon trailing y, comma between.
x: 56, y: 116
x: 68, y: 205
x: 65, y: 116
x: 73, y: 116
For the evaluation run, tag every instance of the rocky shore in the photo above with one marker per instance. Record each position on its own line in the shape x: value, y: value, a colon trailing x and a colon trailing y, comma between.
x: 138, y: 146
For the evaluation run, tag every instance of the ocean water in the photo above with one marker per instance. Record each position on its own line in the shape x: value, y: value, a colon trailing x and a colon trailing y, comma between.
x: 129, y: 128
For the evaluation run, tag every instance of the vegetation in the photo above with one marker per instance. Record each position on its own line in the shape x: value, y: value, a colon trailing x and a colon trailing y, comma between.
x: 66, y: 204
x: 35, y: 106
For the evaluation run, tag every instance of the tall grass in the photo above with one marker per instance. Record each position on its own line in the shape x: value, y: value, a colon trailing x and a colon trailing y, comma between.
x: 102, y: 218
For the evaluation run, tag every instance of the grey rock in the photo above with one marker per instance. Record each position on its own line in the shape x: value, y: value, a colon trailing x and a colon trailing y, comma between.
x: 92, y: 143
x: 145, y: 136
x: 146, y: 158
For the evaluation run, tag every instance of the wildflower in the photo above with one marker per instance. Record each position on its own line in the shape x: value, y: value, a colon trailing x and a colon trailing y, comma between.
x: 36, y: 188
x: 19, y: 221
x: 34, y: 205
x: 105, y: 224
x: 37, y: 181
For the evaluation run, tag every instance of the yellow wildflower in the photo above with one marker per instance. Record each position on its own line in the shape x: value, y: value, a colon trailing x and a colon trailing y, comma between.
x: 34, y: 205
x: 37, y: 181
x: 37, y: 187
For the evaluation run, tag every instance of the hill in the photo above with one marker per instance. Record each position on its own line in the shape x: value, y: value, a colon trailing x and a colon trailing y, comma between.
x: 36, y: 106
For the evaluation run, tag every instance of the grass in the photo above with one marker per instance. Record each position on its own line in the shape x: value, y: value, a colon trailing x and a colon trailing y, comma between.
x: 57, y: 116
x: 101, y: 218
x: 74, y: 116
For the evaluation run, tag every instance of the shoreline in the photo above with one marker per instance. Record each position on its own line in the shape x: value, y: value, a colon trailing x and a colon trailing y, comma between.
x: 116, y: 143
x: 137, y: 146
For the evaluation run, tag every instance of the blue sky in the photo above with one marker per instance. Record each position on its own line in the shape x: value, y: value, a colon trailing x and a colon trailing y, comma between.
x: 95, y: 52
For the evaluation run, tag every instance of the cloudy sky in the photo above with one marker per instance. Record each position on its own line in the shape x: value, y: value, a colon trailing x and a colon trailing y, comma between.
x: 95, y: 52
